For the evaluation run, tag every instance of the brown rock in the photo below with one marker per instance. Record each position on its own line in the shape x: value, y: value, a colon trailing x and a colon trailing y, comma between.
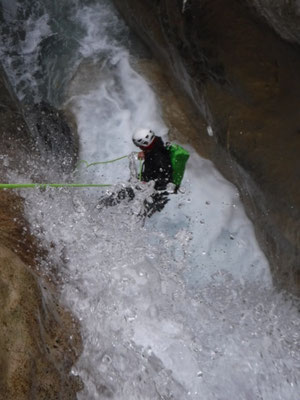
x: 36, y: 351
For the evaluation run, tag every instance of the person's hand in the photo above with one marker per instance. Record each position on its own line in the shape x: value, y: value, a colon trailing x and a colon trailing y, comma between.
x: 141, y: 155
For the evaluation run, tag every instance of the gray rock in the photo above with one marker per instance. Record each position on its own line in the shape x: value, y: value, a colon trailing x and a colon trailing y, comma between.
x: 36, y: 141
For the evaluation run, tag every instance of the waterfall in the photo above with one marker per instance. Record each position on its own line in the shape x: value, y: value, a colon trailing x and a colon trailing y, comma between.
x: 181, y: 306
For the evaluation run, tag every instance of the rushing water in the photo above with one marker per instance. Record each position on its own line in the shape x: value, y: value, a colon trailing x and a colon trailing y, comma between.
x: 181, y: 306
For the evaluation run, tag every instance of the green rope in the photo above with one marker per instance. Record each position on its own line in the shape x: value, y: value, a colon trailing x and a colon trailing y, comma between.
x: 66, y: 185
x: 99, y: 162
x: 141, y: 169
x: 46, y: 185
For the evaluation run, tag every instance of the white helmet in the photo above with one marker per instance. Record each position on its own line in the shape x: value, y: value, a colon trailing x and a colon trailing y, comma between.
x: 143, y: 137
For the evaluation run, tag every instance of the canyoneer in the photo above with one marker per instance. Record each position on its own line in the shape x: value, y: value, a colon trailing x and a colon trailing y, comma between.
x: 164, y: 164
x: 156, y: 158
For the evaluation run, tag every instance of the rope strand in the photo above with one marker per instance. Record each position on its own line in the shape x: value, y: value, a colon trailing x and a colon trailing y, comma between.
x: 45, y: 185
x: 64, y: 185
x: 99, y: 162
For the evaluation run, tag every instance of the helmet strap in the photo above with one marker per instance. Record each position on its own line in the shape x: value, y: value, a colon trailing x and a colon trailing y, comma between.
x: 147, y: 148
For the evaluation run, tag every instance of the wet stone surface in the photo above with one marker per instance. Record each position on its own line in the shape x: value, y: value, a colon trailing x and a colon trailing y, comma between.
x: 36, y: 351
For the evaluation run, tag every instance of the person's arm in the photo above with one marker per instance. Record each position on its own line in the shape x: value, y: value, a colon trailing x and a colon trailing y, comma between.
x: 141, y: 155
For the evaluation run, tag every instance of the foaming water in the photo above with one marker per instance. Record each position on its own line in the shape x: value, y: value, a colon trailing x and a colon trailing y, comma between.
x: 147, y: 332
x: 38, y: 47
x: 178, y: 307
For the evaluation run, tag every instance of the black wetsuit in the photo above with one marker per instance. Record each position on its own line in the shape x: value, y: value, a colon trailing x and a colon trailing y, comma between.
x: 157, y: 165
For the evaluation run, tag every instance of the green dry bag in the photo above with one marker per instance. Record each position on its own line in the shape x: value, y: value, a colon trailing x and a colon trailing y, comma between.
x: 179, y: 157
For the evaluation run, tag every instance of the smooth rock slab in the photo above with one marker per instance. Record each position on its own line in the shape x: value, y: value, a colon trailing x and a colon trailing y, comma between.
x: 36, y: 352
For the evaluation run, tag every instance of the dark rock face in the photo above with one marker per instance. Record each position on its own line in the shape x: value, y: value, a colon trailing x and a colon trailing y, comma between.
x: 243, y: 78
x: 16, y: 140
x: 55, y: 141
x: 34, y: 140
x: 283, y: 16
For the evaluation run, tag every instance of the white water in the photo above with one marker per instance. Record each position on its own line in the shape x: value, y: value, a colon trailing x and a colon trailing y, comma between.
x: 183, y: 307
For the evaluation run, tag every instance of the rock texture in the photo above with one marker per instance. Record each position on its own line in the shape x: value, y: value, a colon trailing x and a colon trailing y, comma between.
x: 39, y: 340
x: 55, y: 138
x: 282, y: 15
x: 35, y: 140
x: 36, y: 352
x: 243, y: 78
x: 16, y: 140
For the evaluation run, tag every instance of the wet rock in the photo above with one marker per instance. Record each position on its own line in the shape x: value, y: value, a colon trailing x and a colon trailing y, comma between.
x: 14, y: 229
x: 16, y: 140
x: 243, y: 78
x: 36, y: 352
x: 283, y: 16
x: 39, y: 339
x: 36, y: 141
x: 55, y: 140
